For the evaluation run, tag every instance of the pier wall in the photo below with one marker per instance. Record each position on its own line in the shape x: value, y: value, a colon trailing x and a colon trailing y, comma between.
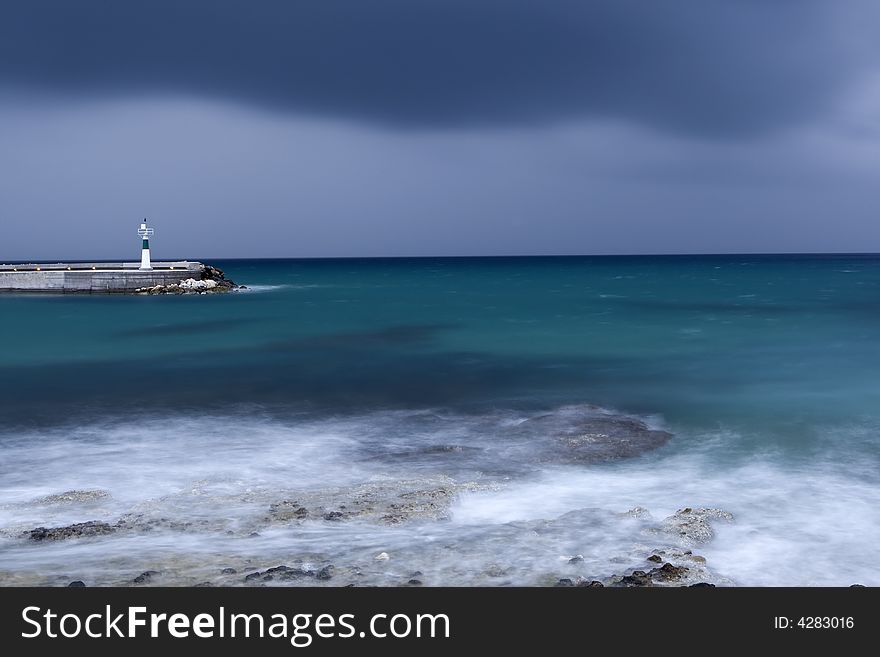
x: 93, y: 277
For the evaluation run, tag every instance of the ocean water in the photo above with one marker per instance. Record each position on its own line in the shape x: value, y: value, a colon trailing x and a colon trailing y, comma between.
x: 436, y: 390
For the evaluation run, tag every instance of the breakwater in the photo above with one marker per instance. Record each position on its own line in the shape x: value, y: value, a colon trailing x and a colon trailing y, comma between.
x: 95, y: 277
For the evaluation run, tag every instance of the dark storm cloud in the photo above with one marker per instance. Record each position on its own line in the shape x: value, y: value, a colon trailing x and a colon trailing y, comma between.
x: 709, y: 67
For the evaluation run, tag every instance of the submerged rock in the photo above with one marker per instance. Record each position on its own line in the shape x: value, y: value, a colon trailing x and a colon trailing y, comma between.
x: 325, y: 573
x: 77, y: 530
x: 494, y: 570
x: 76, y: 584
x: 145, y: 577
x: 439, y: 452
x: 609, y: 439
x: 587, y: 434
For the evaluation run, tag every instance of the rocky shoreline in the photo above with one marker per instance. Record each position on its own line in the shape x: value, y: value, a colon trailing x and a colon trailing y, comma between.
x: 670, y: 563
x: 212, y: 280
x: 379, y: 530
x: 421, y: 502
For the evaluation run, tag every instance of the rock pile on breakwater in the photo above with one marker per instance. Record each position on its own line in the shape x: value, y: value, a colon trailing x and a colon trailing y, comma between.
x: 212, y: 280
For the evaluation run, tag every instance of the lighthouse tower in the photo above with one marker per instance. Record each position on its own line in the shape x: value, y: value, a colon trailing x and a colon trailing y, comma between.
x: 145, y: 234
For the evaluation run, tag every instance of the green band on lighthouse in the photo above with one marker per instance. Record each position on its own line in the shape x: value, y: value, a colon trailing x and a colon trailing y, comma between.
x: 146, y: 244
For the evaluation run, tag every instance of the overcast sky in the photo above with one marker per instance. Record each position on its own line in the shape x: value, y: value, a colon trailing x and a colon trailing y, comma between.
x: 300, y: 128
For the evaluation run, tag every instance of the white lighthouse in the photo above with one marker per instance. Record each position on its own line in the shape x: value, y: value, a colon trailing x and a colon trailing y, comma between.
x: 145, y: 234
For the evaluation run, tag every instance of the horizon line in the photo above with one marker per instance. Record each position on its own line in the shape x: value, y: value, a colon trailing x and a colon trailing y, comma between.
x: 475, y: 257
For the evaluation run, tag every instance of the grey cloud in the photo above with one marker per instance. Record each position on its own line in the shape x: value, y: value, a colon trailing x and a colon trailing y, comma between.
x: 717, y: 68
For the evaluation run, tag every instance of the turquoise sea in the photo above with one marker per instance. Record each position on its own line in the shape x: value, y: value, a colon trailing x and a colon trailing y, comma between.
x: 189, y: 417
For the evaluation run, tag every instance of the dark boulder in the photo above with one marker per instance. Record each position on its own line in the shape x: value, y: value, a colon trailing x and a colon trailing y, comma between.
x: 667, y: 572
x: 145, y: 577
x: 636, y: 578
x: 77, y: 530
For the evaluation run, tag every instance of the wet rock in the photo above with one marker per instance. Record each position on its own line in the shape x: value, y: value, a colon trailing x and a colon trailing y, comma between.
x: 276, y: 569
x: 218, y: 277
x: 325, y: 573
x: 656, y: 558
x: 578, y: 558
x: 414, y: 582
x: 228, y: 571
x: 667, y: 572
x: 636, y: 578
x: 71, y: 497
x: 297, y: 573
x: 211, y: 279
x: 590, y: 584
x: 419, y: 504
x: 287, y: 510
x: 387, y: 502
x: 143, y: 523
x: 288, y: 573
x: 77, y: 530
x: 693, y: 526
x: 417, y: 573
x: 202, y: 585
x: 76, y: 584
x: 564, y: 582
x: 687, y: 569
x: 145, y: 577
x: 702, y: 585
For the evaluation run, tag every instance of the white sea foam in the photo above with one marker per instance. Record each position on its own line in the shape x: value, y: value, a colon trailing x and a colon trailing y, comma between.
x: 254, y: 289
x: 807, y: 525
x: 796, y: 523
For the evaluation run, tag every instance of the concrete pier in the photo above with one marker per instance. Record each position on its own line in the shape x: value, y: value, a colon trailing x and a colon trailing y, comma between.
x: 94, y: 276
